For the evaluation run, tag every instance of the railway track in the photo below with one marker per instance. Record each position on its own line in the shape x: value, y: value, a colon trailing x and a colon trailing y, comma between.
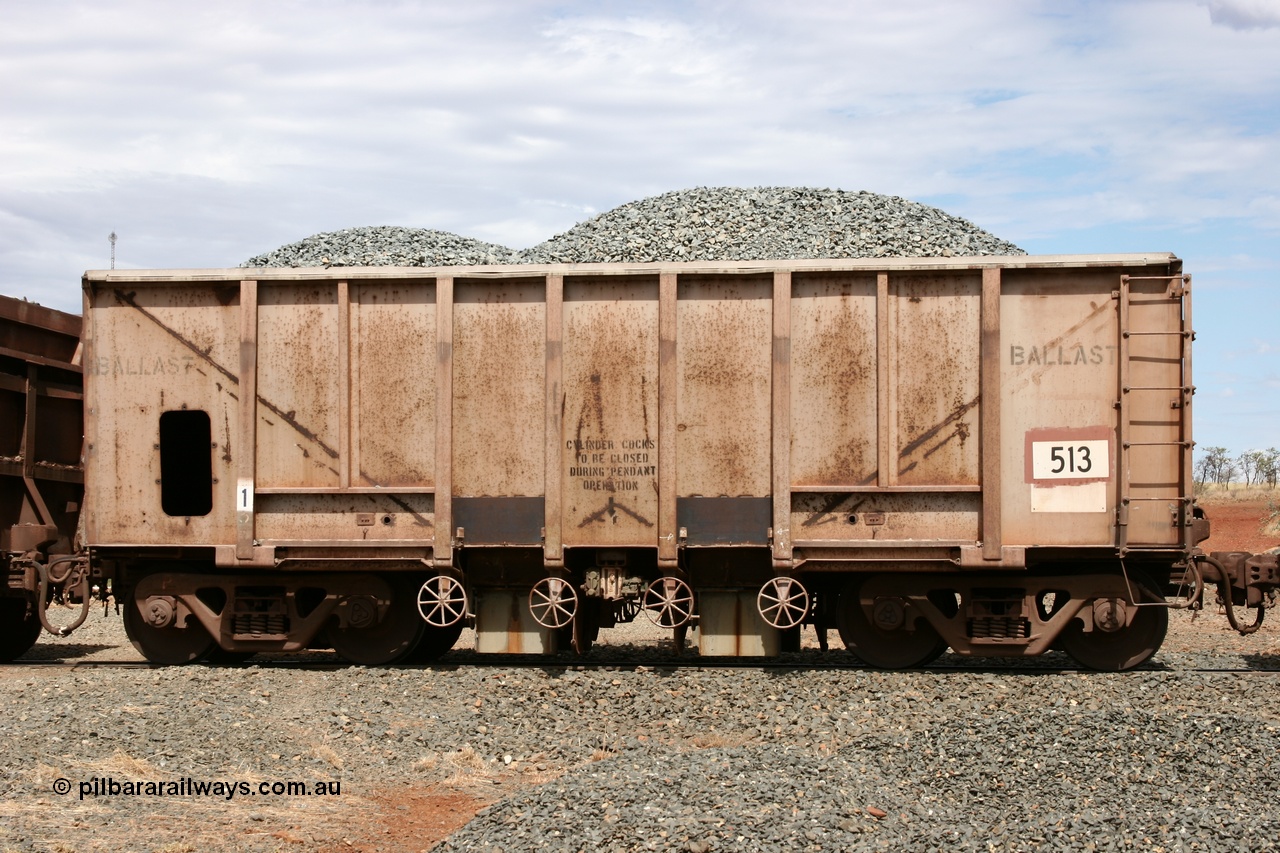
x: 647, y: 664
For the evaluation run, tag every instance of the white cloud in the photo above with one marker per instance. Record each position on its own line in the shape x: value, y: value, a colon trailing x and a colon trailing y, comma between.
x: 1245, y: 14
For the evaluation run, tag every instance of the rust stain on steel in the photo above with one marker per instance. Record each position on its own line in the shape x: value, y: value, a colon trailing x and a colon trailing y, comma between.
x: 303, y: 431
x: 298, y: 345
x: 833, y: 376
x: 918, y: 515
x: 226, y: 421
x: 499, y: 387
x: 928, y: 434
x: 644, y: 407
x: 937, y: 319
x: 724, y: 335
x: 826, y: 514
x: 393, y: 422
x: 418, y: 519
x: 608, y: 458
x: 129, y: 300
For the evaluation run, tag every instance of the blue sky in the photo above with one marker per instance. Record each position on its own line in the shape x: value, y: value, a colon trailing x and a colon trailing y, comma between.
x: 203, y: 134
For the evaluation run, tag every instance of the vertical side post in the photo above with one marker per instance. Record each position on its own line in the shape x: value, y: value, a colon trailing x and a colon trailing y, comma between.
x: 553, y: 544
x: 248, y: 464
x: 1188, y: 464
x: 87, y: 356
x: 668, y: 547
x: 29, y: 423
x: 29, y: 445
x: 345, y: 385
x: 442, y: 550
x: 989, y: 394
x: 1122, y: 424
x: 884, y: 419
x: 781, y: 382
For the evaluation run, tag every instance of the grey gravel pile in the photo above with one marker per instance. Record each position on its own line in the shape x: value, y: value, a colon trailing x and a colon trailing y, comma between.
x: 736, y: 224
x: 703, y: 224
x: 385, y: 246
x: 1032, y: 781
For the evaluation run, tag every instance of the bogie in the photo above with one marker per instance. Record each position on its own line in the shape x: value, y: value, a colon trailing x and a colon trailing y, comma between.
x: 897, y: 621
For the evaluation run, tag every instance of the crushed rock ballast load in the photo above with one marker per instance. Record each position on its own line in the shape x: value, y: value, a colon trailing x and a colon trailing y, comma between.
x: 385, y: 246
x: 703, y: 224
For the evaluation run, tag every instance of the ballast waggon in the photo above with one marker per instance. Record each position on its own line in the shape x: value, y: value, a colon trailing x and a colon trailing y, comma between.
x: 991, y: 455
x: 41, y: 480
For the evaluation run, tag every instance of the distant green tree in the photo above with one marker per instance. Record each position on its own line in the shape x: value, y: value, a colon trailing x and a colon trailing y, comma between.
x: 1250, y: 463
x: 1270, y: 470
x: 1215, y: 466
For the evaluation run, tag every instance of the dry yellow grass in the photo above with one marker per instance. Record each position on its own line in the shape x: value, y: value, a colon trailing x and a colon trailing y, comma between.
x: 1211, y: 493
x: 462, y: 768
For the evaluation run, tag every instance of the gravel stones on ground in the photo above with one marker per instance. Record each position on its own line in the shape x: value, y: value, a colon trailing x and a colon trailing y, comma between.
x: 702, y: 224
x: 1107, y: 780
x: 1183, y: 754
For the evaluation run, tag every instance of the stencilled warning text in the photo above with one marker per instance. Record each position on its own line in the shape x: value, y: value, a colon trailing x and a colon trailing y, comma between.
x: 608, y: 465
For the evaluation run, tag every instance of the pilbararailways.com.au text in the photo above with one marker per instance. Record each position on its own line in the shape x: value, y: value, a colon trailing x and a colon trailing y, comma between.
x: 107, y: 786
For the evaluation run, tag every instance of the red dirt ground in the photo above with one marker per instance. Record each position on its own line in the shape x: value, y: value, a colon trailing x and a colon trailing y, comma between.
x: 1248, y: 524
x: 407, y: 821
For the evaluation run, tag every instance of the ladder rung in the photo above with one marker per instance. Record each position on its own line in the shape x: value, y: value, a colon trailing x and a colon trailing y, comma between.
x: 1184, y: 334
x: 1157, y: 444
x: 1185, y: 389
x: 1180, y: 498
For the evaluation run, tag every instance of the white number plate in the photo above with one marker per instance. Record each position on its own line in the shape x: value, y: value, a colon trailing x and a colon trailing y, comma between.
x: 244, y: 496
x: 1070, y: 460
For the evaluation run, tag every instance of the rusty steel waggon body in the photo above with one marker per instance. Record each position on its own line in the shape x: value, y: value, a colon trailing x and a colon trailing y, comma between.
x: 41, y: 480
x: 988, y: 454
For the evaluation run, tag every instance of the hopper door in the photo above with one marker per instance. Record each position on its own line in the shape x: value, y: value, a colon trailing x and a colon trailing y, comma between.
x: 1154, y: 442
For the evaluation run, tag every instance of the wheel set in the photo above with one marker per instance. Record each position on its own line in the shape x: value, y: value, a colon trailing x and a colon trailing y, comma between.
x: 889, y: 621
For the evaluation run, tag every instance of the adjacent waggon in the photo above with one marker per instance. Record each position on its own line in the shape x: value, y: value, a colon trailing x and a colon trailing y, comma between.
x: 987, y: 454
x: 41, y: 481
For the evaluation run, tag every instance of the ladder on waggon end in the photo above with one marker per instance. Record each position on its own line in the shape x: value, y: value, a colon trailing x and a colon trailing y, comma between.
x: 1153, y: 431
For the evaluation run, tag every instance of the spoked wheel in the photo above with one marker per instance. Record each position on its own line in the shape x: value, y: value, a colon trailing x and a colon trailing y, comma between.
x: 783, y: 602
x: 434, y: 643
x: 669, y: 602
x: 885, y: 639
x: 1121, y: 648
x: 19, y: 629
x: 553, y: 602
x: 379, y: 643
x: 442, y: 601
x: 159, y: 640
